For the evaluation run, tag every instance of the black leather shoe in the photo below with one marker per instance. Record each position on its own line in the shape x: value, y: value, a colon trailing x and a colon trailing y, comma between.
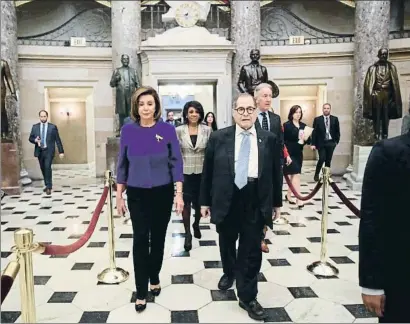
x: 254, y: 309
x: 156, y: 291
x: 188, y: 242
x: 140, y: 307
x: 226, y: 282
x: 316, y: 178
x: 197, y: 231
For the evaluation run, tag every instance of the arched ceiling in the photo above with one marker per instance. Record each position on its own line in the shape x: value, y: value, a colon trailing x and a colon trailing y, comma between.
x: 350, y: 3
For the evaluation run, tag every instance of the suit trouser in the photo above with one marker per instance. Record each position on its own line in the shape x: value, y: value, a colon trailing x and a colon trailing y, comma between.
x: 244, y: 220
x: 396, y: 307
x: 325, y: 155
x: 45, y: 159
x: 381, y: 113
x: 150, y: 212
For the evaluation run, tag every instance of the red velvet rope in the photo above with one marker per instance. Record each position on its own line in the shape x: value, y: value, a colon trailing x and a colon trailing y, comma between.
x: 67, y: 249
x: 345, y: 200
x: 297, y: 195
x: 6, y: 284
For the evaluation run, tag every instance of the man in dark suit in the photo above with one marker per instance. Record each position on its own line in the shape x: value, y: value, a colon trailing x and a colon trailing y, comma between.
x: 171, y: 120
x: 240, y: 185
x: 325, y: 137
x: 45, y: 137
x: 384, y: 240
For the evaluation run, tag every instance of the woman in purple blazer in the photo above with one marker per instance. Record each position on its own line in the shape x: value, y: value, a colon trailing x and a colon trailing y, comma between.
x: 149, y: 164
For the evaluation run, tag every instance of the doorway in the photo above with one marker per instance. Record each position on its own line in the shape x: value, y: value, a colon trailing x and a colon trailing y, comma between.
x: 174, y: 95
x: 311, y: 99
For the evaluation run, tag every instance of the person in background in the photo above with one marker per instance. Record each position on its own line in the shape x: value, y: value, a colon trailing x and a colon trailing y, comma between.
x: 293, y: 133
x: 171, y: 120
x: 147, y: 169
x: 193, y: 137
x: 210, y: 120
x: 325, y: 137
x: 384, y: 240
x: 45, y: 137
x: 240, y: 185
x: 405, y: 126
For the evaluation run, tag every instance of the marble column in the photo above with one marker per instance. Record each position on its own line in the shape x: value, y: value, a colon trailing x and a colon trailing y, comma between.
x: 125, y: 34
x: 9, y: 52
x: 372, y: 25
x: 245, y: 34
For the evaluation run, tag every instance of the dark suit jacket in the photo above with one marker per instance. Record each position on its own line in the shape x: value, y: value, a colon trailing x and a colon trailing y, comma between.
x: 218, y: 175
x: 384, y: 239
x: 319, y: 130
x: 275, y: 127
x: 53, y: 139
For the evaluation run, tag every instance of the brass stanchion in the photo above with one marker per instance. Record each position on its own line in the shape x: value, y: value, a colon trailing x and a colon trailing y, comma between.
x: 113, y: 274
x: 24, y: 249
x: 322, y: 267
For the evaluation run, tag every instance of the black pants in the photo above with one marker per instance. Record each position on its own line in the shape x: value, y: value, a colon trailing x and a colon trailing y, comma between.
x: 325, y: 155
x: 150, y: 211
x: 45, y: 159
x: 244, y: 220
x: 396, y: 307
x: 381, y: 113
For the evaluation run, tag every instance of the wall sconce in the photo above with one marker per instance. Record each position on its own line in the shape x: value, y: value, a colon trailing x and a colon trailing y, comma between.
x: 66, y: 112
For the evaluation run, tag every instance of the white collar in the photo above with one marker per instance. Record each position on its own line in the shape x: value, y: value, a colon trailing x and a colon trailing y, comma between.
x: 260, y: 111
x: 239, y: 130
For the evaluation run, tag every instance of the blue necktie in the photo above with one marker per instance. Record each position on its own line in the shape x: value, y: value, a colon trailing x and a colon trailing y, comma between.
x: 241, y: 171
x: 43, y: 139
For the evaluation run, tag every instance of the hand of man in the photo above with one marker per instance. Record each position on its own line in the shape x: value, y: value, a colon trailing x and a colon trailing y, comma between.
x: 61, y: 155
x: 205, y: 212
x: 374, y: 303
x: 313, y: 147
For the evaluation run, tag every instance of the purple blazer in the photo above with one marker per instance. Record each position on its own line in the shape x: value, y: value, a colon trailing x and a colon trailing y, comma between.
x: 149, y: 156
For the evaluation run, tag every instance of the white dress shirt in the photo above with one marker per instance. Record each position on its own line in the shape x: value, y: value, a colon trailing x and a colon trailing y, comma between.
x: 253, y: 157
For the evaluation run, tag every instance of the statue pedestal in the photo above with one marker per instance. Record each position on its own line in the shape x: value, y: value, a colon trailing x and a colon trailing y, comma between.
x: 10, y: 169
x: 112, y: 147
x: 360, y: 156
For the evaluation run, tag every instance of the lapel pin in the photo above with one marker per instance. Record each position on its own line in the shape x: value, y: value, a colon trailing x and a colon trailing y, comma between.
x: 158, y: 137
x: 260, y: 141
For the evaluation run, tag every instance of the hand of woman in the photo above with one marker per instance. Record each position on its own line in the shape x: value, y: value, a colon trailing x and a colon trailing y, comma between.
x: 121, y: 207
x: 179, y: 203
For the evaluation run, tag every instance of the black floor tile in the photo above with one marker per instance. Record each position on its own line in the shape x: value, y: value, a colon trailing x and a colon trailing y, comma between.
x: 181, y: 254
x: 41, y: 280
x: 341, y: 260
x: 85, y: 222
x: 9, y: 317
x: 82, y: 266
x: 359, y: 311
x: 268, y: 241
x: 261, y: 277
x: 5, y: 254
x: 343, y: 223
x: 278, y: 262
x: 207, y: 243
x: 96, y: 244
x: 72, y: 217
x: 57, y: 212
x: 352, y: 217
x: 62, y: 297
x: 223, y: 295
x: 277, y: 315
x: 4, y: 223
x: 126, y: 236
x: 30, y: 217
x: 19, y: 212
x: 44, y: 223
x: 182, y: 279
x: 82, y: 207
x: 212, y: 264
x: 312, y: 218
x: 47, y: 207
x: 150, y: 297
x: 11, y: 229
x: 58, y: 229
x: 323, y: 277
x: 302, y: 292
x: 297, y: 225
x: 298, y: 250
x: 204, y: 227
x: 61, y: 256
x: 353, y: 248
x: 104, y: 229
x: 334, y: 207
x: 94, y: 317
x: 281, y: 232
x: 122, y: 254
x: 314, y: 239
x: 332, y: 231
x: 320, y: 212
x: 8, y: 208
x: 190, y: 316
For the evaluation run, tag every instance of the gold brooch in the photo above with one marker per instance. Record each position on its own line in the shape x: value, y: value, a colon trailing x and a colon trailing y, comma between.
x: 158, y: 137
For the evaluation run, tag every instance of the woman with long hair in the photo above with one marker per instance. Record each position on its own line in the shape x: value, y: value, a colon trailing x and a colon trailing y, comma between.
x: 210, y: 120
x: 293, y: 134
x: 193, y: 138
x: 149, y: 164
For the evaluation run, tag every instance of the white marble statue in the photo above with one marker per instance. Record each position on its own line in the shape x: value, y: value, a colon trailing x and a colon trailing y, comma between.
x: 203, y: 15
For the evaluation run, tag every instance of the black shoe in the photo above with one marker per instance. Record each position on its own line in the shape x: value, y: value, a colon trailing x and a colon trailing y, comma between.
x: 188, y: 242
x: 156, y: 291
x: 316, y: 178
x: 140, y: 307
x: 226, y: 282
x: 197, y: 231
x: 254, y: 309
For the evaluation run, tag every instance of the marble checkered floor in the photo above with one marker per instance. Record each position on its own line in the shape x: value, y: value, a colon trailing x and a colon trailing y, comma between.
x: 67, y: 291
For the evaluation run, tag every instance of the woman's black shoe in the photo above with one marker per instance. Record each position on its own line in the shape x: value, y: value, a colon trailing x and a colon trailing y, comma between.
x: 156, y: 291
x: 140, y: 307
x: 291, y: 202
x: 197, y: 231
x: 188, y: 242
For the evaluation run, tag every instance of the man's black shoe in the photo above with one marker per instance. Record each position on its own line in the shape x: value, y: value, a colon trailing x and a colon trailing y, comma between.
x: 254, y: 309
x: 316, y: 178
x: 226, y: 282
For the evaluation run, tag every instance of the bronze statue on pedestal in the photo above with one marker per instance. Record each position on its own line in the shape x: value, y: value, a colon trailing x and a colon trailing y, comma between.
x: 253, y: 74
x: 125, y: 80
x: 381, y: 96
x: 6, y: 82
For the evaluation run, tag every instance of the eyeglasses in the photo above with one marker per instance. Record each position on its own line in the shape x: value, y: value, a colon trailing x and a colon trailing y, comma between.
x: 241, y: 110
